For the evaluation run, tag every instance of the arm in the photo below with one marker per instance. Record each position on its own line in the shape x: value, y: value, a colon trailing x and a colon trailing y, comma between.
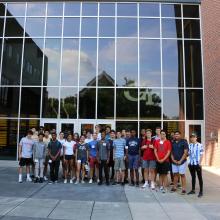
x: 155, y: 152
x: 183, y: 157
x: 167, y: 155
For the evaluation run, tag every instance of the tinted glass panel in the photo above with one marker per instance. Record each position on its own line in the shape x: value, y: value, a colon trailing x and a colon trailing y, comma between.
x: 150, y: 104
x: 127, y: 27
x: 171, y: 28
x: 54, y: 27
x: 106, y: 62
x: 173, y: 63
x: 89, y: 27
x: 89, y: 9
x: 30, y: 102
x: 125, y: 98
x: 193, y: 64
x: 71, y: 27
x: 36, y: 9
x: 2, y: 9
x: 106, y: 27
x: 1, y: 26
x: 52, y: 62
x: 9, y: 101
x: 14, y: 27
x: 11, y: 65
x: 106, y: 9
x: 8, y: 143
x: 55, y: 9
x: 35, y: 27
x: 191, y: 11
x: 127, y: 63
x: 172, y: 126
x: 105, y: 103
x: 127, y: 9
x: 33, y: 61
x: 150, y: 125
x: 69, y: 73
x: 72, y: 9
x: 50, y: 102
x: 127, y: 125
x: 87, y: 97
x: 26, y: 125
x: 194, y: 104
x: 191, y: 28
x: 149, y: 27
x: 170, y: 10
x: 150, y: 67
x: 147, y: 9
x: 173, y: 104
x: 16, y: 9
x: 68, y: 102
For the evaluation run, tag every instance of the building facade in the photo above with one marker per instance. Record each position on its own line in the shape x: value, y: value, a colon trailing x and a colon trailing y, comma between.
x: 71, y: 65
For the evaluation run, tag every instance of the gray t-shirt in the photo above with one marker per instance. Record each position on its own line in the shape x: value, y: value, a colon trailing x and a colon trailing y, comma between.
x: 26, y: 147
x: 103, y: 148
x: 82, y: 151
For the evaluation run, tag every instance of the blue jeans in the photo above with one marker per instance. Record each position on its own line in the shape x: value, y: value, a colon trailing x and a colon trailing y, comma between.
x: 133, y: 161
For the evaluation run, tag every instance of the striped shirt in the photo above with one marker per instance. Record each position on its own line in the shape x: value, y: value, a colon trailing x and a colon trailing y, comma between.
x: 195, y: 152
x: 119, y: 146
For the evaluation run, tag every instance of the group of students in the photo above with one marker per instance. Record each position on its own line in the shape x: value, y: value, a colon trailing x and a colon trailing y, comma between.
x: 120, y: 153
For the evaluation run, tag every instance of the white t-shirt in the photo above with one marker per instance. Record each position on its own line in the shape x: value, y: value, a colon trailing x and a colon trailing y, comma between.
x: 26, y: 147
x: 69, y: 146
x: 62, y: 142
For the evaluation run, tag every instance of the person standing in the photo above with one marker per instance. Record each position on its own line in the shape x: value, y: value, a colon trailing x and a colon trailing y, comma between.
x: 179, y: 155
x: 111, y: 163
x: 62, y: 140
x: 54, y: 149
x: 47, y: 139
x: 195, y: 158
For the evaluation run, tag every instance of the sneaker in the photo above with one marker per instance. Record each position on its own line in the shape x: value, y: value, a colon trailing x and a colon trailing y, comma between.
x: 36, y: 180
x: 29, y: 179
x: 98, y: 180
x: 56, y: 182
x: 65, y: 181
x: 113, y: 183
x: 74, y: 178
x: 171, y: 184
x: 71, y: 181
x: 183, y: 192
x: 107, y: 183
x: 137, y: 184
x: 173, y: 190
x: 164, y: 190
x: 82, y: 181
x: 90, y: 181
x: 200, y: 194
x: 41, y: 180
x: 45, y: 178
x: 50, y: 182
x: 179, y: 185
x: 132, y: 183
x: 100, y: 183
x: 152, y: 185
x: 20, y: 179
x: 161, y: 188
x: 191, y: 192
x: 145, y: 185
x: 122, y: 183
x: 76, y: 182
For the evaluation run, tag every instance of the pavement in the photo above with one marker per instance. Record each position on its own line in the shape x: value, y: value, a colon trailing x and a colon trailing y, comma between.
x: 30, y: 201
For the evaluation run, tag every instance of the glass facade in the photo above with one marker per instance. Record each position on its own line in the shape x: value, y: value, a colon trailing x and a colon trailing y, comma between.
x: 137, y: 64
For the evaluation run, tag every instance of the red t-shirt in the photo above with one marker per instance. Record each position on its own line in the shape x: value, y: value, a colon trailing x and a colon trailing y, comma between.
x: 162, y: 148
x: 148, y: 153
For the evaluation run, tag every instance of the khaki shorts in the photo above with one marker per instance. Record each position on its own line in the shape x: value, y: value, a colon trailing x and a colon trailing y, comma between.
x: 119, y: 164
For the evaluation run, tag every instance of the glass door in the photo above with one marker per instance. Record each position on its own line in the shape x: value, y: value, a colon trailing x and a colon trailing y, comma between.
x: 49, y: 124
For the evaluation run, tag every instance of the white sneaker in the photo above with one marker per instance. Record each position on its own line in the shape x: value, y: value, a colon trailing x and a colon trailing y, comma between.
x: 74, y: 178
x: 152, y: 186
x: 98, y: 180
x: 29, y: 179
x: 145, y: 185
x: 76, y: 182
x: 82, y: 181
x: 20, y: 180
x: 161, y: 188
x: 65, y: 181
x: 45, y: 178
x: 71, y: 181
x: 90, y: 181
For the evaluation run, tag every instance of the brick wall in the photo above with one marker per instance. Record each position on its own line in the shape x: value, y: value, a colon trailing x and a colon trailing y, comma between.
x: 211, y: 47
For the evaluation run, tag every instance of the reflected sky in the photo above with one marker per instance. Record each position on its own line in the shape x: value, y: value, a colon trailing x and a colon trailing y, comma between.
x: 106, y: 9
x: 54, y: 9
x: 126, y: 9
x: 54, y: 27
x: 36, y: 9
x: 149, y: 28
x: 71, y: 27
x: 127, y: 27
x: 16, y: 9
x: 89, y: 9
x: 149, y: 9
x: 72, y: 9
x: 35, y: 27
x: 107, y: 27
x: 89, y: 27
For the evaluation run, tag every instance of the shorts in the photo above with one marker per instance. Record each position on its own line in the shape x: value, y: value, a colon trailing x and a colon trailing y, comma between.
x: 68, y: 157
x: 133, y: 161
x: 25, y: 162
x: 163, y: 168
x: 149, y: 164
x: 181, y: 169
x: 81, y: 160
x: 92, y: 162
x: 119, y: 164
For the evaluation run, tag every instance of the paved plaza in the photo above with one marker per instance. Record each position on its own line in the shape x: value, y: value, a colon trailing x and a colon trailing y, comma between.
x: 88, y: 201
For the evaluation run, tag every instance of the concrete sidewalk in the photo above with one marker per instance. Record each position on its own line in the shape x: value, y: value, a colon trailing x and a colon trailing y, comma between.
x: 29, y: 201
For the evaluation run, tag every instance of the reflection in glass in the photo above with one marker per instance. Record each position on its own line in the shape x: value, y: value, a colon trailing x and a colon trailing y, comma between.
x: 14, y: 27
x: 124, y: 9
x: 52, y: 62
x: 8, y: 143
x: 1, y: 26
x: 191, y: 28
x: 150, y: 27
x: 150, y: 68
x: 9, y: 101
x: 127, y: 27
x: 191, y: 11
x: 87, y: 97
x: 149, y: 125
x: 105, y: 104
x: 16, y: 9
x: 11, y: 65
x: 106, y: 27
x: 170, y: 10
x: 127, y: 125
x: 26, y: 125
x: 54, y: 27
x: 72, y: 9
x: 2, y: 9
x: 88, y: 62
x: 50, y: 102
x: 149, y: 9
x: 71, y: 27
x: 194, y: 104
x: 35, y: 27
x: 172, y: 53
x: 127, y: 63
x: 172, y: 126
x: 193, y: 63
x: 30, y: 102
x: 68, y: 102
x: 125, y: 98
x: 89, y: 27
x: 70, y: 59
x: 171, y: 28
x: 89, y: 9
x: 32, y: 62
x: 150, y: 104
x: 55, y: 9
x: 107, y: 9
x: 106, y: 62
x: 36, y: 9
x: 173, y: 104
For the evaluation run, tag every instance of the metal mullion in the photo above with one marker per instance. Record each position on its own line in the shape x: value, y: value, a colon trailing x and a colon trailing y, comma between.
x: 115, y: 90
x: 138, y: 35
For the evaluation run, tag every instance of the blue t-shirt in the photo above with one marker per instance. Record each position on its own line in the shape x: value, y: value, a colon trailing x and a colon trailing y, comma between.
x: 133, y: 144
x: 178, y: 149
x: 93, y: 148
x: 119, y: 146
